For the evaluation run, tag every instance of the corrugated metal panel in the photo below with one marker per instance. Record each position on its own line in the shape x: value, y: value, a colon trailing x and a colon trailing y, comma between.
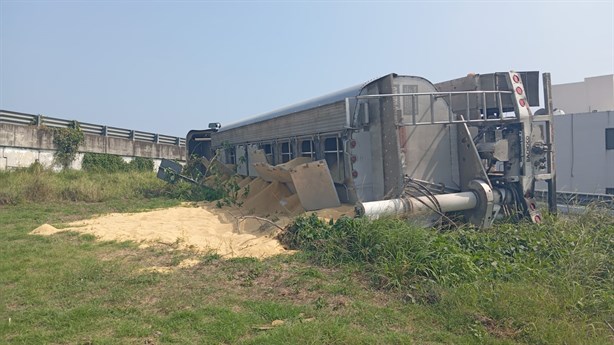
x: 328, y: 118
x: 321, y: 101
x: 299, y: 107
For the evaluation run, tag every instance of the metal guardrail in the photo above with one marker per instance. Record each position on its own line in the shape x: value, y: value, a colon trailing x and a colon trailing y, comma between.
x: 581, y: 199
x: 89, y: 128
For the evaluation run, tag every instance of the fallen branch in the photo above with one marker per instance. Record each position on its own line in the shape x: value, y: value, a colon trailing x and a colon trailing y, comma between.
x: 240, y: 219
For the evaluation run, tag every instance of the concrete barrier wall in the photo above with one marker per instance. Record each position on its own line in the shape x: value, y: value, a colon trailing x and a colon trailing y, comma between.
x: 21, y: 146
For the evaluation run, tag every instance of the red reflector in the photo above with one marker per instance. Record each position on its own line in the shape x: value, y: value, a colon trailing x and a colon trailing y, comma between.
x: 516, y: 78
x: 519, y: 90
x: 353, y: 143
x: 354, y: 174
x: 353, y: 159
x: 522, y: 102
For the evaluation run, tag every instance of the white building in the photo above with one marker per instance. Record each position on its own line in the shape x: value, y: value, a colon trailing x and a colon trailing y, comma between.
x: 584, y: 135
x: 591, y: 95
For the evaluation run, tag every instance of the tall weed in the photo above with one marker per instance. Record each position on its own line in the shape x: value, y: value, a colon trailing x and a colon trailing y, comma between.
x: 580, y: 248
x: 534, y: 283
x: 395, y: 252
x: 103, y: 162
x: 39, y: 185
x: 36, y: 184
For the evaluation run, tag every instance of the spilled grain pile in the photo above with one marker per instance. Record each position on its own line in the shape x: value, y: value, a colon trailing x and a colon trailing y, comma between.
x: 202, y: 228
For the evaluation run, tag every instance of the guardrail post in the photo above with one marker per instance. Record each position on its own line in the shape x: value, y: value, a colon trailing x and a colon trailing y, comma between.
x: 156, y: 138
x: 105, y: 131
x: 39, y: 120
x: 132, y: 135
x: 178, y: 141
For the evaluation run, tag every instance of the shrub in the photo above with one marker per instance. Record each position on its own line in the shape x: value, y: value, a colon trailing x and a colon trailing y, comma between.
x: 103, y: 162
x: 399, y: 254
x: 38, y: 188
x: 141, y: 164
x: 40, y: 185
x: 194, y: 168
x: 67, y: 141
x: 191, y: 192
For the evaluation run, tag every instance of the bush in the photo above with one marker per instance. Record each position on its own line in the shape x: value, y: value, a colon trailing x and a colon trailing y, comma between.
x: 103, y: 178
x: 67, y: 142
x: 102, y: 162
x: 548, y: 283
x: 395, y: 252
x: 187, y: 191
x: 35, y: 184
x: 194, y: 168
x: 141, y: 164
x: 399, y: 253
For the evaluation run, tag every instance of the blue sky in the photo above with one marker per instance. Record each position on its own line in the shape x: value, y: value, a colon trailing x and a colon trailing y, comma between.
x: 172, y: 66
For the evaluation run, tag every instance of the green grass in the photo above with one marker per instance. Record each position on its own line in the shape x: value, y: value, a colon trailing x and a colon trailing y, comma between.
x: 354, y: 282
x: 38, y: 185
x: 69, y: 288
x: 538, y: 284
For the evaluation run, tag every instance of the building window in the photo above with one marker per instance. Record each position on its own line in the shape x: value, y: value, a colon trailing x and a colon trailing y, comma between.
x: 609, y: 138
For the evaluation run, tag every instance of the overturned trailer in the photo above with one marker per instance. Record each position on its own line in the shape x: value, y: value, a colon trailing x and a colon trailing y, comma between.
x: 400, y: 145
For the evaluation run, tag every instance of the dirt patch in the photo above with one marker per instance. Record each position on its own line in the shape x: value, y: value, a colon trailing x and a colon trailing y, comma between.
x: 500, y: 329
x: 202, y: 228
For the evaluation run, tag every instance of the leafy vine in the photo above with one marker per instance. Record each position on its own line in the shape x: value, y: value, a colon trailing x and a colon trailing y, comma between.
x: 67, y: 142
